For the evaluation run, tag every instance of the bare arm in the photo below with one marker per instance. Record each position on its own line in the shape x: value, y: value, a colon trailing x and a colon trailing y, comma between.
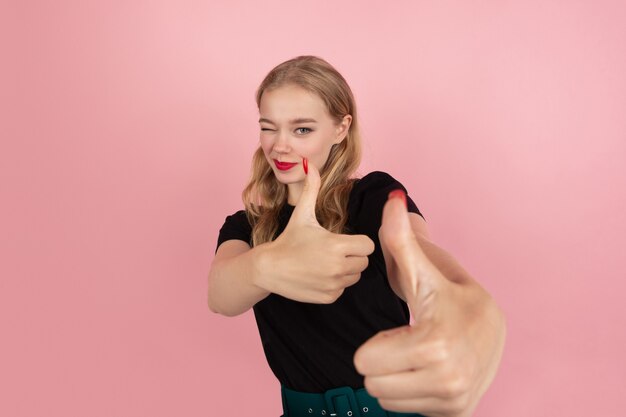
x: 443, y: 363
x: 305, y: 263
x: 441, y: 259
x: 233, y: 277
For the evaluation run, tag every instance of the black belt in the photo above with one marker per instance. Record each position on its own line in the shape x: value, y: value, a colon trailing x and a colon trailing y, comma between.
x: 337, y: 402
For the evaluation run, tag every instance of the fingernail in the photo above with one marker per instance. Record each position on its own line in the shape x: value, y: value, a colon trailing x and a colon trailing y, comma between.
x: 305, y: 165
x: 398, y: 194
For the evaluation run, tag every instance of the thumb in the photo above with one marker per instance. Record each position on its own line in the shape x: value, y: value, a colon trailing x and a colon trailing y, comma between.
x: 305, y: 207
x: 419, y: 279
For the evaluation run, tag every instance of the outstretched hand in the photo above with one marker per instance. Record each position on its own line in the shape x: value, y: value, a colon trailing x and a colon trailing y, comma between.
x: 307, y: 262
x: 442, y: 364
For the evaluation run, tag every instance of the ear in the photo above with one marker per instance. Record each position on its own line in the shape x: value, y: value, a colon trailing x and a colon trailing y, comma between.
x: 343, y: 128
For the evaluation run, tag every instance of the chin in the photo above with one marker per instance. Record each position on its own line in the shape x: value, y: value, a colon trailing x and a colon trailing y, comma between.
x: 285, y: 177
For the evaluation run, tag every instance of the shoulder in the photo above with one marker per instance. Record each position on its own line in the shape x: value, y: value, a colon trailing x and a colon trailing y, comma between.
x: 238, y: 219
x: 374, y: 186
x: 367, y: 199
x: 238, y: 216
x: 236, y: 226
x: 375, y: 180
x: 369, y: 195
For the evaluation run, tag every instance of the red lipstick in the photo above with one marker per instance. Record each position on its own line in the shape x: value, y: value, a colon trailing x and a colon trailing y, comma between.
x: 284, y: 166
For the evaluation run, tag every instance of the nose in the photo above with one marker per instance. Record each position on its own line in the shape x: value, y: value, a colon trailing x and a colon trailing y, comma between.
x: 281, y: 144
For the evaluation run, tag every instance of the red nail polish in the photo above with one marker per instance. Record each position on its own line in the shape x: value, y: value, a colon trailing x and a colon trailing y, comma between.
x: 305, y: 165
x: 399, y: 194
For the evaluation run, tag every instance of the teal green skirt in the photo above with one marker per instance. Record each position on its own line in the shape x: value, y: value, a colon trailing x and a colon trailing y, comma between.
x: 337, y: 402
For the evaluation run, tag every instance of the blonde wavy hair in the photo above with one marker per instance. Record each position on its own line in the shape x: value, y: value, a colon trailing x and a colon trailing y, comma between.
x: 264, y: 196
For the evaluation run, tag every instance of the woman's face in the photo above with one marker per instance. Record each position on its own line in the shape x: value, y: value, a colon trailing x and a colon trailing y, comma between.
x: 294, y: 124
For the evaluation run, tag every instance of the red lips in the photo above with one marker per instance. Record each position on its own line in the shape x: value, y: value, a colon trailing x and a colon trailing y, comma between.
x: 284, y: 166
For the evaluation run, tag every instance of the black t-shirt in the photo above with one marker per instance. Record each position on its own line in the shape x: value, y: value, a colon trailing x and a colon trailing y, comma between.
x: 310, y: 347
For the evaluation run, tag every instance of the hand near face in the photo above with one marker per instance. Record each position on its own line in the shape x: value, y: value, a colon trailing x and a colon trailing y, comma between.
x: 442, y: 364
x: 308, y: 263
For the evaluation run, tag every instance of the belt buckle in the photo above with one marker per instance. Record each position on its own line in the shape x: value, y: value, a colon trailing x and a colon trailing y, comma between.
x: 338, y: 393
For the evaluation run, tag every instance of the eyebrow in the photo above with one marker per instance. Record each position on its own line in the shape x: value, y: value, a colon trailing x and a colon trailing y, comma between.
x: 292, y: 121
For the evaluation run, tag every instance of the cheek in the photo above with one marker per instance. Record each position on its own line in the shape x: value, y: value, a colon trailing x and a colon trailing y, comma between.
x: 313, y: 145
x: 266, y: 144
x: 317, y: 150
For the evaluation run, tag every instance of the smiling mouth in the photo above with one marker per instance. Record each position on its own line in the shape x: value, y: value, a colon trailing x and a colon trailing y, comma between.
x: 284, y: 166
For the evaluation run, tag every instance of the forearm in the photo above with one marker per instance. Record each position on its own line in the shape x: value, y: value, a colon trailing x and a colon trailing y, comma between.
x: 442, y: 261
x: 232, y: 283
x: 449, y: 267
x: 486, y: 322
x: 452, y: 270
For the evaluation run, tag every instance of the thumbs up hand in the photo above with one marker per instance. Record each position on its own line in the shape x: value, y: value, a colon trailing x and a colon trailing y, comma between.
x: 307, y: 262
x: 442, y: 364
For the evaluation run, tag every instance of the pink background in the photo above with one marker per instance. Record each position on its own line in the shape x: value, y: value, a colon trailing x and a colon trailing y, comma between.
x: 127, y: 130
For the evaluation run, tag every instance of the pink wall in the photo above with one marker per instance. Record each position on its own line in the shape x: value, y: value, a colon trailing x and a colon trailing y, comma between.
x: 127, y: 130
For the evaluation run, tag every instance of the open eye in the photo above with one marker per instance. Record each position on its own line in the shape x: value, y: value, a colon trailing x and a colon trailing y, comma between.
x: 306, y: 129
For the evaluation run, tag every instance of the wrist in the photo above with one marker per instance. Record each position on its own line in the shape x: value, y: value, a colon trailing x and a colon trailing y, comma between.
x: 262, y: 262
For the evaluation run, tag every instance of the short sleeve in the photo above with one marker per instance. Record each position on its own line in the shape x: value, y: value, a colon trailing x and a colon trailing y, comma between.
x: 368, y: 198
x: 236, y: 226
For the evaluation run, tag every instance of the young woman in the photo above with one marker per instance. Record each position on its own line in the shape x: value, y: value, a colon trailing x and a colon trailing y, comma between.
x: 310, y: 255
